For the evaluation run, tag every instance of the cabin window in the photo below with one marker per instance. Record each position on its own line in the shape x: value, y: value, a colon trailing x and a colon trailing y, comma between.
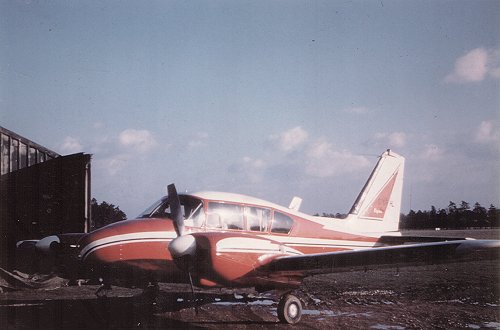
x: 224, y: 216
x: 194, y: 213
x: 257, y: 218
x: 282, y: 223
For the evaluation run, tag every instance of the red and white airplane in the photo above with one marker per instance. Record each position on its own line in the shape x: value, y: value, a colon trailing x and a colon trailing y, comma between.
x: 214, y: 239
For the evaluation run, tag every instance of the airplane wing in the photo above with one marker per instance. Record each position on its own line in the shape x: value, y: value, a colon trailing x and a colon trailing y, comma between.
x: 384, y: 257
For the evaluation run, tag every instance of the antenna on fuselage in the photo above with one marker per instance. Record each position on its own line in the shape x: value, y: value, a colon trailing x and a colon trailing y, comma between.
x: 295, y: 203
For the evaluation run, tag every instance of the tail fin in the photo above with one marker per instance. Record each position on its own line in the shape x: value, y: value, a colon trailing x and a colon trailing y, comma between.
x: 378, y: 205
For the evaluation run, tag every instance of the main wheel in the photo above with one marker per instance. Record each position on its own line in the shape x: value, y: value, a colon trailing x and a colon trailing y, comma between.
x: 289, y: 309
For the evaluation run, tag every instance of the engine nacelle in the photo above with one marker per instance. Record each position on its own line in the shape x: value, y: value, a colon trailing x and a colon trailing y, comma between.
x: 48, y: 245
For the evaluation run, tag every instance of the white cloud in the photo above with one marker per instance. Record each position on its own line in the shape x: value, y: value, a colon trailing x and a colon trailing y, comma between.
x: 113, y: 154
x: 324, y: 161
x: 488, y: 133
x: 311, y: 158
x: 114, y: 164
x: 291, y: 139
x: 390, y: 140
x: 252, y: 169
x: 475, y: 66
x: 140, y: 140
x: 71, y: 145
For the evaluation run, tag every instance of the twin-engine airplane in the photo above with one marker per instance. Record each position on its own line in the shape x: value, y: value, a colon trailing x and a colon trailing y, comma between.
x: 212, y: 239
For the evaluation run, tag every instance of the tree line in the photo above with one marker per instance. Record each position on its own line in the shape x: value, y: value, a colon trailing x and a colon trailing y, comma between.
x: 453, y: 217
x: 104, y: 213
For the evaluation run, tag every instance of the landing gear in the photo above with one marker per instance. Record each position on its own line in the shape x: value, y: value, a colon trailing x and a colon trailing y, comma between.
x: 289, y: 309
x: 151, y: 290
x: 105, y: 287
x: 103, y: 290
x: 148, y: 299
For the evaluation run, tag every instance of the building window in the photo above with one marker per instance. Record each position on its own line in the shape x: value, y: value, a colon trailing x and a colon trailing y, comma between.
x: 5, y: 150
x: 23, y: 155
x: 40, y: 156
x: 32, y: 156
x: 14, y: 155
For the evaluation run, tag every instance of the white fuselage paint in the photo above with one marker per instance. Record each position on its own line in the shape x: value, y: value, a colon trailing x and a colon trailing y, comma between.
x: 139, y: 237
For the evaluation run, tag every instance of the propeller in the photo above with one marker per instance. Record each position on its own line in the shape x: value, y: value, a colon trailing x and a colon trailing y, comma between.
x: 175, y: 209
x: 183, y: 247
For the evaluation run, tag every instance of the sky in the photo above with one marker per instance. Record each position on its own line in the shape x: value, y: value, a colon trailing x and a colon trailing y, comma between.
x: 272, y: 99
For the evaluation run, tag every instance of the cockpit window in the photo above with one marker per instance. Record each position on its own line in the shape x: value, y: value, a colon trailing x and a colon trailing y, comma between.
x: 282, y: 223
x: 224, y: 216
x: 192, y: 210
x: 154, y: 208
x: 194, y: 214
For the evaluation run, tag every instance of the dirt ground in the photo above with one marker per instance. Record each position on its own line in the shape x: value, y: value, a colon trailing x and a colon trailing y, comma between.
x: 453, y: 296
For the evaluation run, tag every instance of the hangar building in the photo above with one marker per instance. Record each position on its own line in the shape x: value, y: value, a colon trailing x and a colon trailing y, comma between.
x: 41, y: 192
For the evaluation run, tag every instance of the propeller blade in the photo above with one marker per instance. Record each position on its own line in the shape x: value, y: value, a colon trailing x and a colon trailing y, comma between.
x: 175, y: 209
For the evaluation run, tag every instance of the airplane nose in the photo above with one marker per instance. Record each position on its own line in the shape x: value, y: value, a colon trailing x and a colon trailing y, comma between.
x: 183, y: 250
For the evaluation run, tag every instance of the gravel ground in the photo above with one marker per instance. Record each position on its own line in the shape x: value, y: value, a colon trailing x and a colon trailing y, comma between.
x: 453, y: 296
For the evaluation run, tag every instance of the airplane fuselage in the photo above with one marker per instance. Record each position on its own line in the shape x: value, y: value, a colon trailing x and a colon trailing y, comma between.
x: 236, y: 234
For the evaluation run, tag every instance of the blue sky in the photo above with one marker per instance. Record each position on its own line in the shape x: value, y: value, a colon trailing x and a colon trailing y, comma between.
x: 266, y: 98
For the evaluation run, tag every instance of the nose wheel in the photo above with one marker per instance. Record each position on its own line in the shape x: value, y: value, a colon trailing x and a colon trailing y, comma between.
x: 289, y: 309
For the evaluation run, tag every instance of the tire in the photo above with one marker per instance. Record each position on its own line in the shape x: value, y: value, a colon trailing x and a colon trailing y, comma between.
x: 289, y: 309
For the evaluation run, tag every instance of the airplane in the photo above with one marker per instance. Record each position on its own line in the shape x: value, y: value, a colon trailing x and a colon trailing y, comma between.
x: 214, y: 239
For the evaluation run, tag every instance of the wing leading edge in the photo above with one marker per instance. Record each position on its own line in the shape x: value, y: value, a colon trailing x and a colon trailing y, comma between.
x: 385, y: 257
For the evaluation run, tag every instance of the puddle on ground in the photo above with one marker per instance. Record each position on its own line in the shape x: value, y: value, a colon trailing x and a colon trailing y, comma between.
x: 487, y: 325
x: 387, y: 327
x: 368, y: 292
x: 22, y: 305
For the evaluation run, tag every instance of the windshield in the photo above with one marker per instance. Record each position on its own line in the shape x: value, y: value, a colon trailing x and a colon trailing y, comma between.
x: 192, y: 210
x: 147, y: 213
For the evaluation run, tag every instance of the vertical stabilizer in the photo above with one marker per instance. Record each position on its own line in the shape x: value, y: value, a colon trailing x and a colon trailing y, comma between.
x: 378, y: 205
